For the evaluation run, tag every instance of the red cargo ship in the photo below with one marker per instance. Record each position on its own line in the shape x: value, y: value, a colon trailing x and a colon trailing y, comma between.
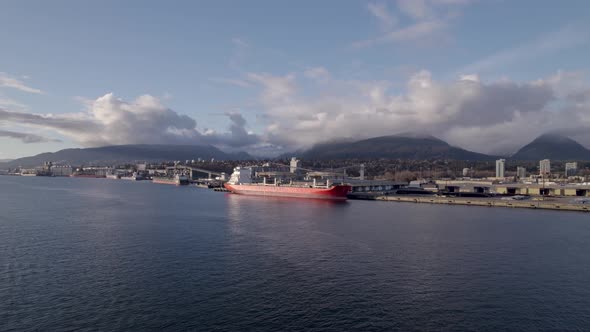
x: 241, y: 183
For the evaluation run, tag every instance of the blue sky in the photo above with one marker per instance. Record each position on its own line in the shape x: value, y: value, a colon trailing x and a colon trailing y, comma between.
x: 268, y: 76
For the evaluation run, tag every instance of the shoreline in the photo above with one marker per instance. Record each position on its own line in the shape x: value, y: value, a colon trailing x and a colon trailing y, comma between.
x: 483, y: 202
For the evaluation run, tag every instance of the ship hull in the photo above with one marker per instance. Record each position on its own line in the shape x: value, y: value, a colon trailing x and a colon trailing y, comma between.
x: 337, y: 192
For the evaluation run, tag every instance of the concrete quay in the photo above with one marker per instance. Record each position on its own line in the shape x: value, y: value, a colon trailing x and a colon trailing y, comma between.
x: 559, y: 205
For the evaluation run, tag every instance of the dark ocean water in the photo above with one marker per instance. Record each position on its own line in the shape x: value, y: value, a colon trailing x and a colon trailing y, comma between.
x: 97, y: 254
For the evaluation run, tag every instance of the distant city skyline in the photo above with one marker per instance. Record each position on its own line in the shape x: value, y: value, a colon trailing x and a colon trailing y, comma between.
x: 271, y: 77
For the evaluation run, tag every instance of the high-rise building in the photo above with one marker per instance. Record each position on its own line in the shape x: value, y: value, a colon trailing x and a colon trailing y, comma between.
x: 362, y: 172
x: 294, y: 165
x: 500, y: 166
x: 545, y: 167
x: 521, y: 172
x: 571, y: 169
x: 466, y: 172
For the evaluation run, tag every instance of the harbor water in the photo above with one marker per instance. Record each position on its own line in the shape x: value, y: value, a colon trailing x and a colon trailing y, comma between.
x: 101, y: 254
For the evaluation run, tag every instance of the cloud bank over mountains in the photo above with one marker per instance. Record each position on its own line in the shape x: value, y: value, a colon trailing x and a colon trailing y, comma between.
x: 487, y: 117
x: 300, y: 109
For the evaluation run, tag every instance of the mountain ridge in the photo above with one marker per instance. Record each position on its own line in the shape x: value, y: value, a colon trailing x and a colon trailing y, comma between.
x: 400, y: 146
x: 552, y: 146
x: 126, y: 153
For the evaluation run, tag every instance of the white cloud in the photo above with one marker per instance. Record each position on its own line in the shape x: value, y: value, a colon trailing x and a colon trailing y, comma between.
x: 26, y: 137
x: 450, y: 2
x: 317, y: 73
x: 109, y: 120
x: 8, y: 81
x: 240, y: 42
x: 426, y: 19
x: 469, y: 77
x: 237, y: 136
x: 416, y: 9
x: 380, y: 11
x: 277, y: 89
x: 241, y: 50
x: 11, y: 103
x: 231, y: 81
x: 414, y: 31
x: 567, y: 37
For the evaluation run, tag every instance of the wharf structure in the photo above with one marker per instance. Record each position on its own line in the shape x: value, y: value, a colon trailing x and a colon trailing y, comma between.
x: 537, y: 189
x: 486, y: 202
x: 463, y: 186
x: 528, y: 189
x: 361, y: 186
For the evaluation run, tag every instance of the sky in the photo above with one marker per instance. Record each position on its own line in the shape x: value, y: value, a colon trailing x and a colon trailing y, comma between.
x: 270, y: 77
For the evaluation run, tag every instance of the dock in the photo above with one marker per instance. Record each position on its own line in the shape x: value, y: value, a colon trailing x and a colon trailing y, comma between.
x: 484, y: 202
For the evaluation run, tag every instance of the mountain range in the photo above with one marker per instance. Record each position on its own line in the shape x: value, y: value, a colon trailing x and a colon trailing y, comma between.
x: 127, y: 153
x: 403, y: 146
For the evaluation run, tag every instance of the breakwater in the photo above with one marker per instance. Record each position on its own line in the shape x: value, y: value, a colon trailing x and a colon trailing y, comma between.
x: 486, y: 202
